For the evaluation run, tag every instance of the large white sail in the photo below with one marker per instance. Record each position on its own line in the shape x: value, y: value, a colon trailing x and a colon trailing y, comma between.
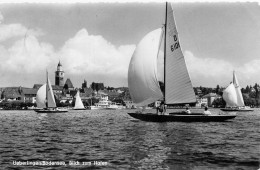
x: 240, y: 100
x: 78, y: 102
x: 230, y: 96
x: 178, y: 86
x: 50, y: 97
x: 142, y: 73
x: 41, y: 97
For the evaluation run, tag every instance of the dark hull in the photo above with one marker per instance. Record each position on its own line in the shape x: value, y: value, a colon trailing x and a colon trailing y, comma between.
x: 51, y: 111
x: 80, y: 109
x: 236, y: 110
x: 181, y: 117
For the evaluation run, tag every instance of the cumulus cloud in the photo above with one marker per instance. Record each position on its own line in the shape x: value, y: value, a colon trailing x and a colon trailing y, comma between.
x: 92, y: 54
x: 83, y: 55
x: 212, y: 71
x: 16, y: 30
x: 208, y: 67
x: 1, y: 17
x: 25, y: 62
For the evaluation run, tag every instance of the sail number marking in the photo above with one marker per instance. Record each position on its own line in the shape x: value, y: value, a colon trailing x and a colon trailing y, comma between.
x: 176, y: 45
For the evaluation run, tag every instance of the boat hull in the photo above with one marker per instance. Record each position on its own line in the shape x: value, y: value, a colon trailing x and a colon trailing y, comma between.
x: 96, y: 108
x: 109, y: 108
x: 50, y: 111
x: 81, y: 109
x: 181, y: 117
x: 236, y: 110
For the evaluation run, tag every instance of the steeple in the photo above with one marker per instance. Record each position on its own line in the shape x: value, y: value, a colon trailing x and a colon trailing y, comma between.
x: 59, y: 75
x: 59, y: 64
x: 59, y: 67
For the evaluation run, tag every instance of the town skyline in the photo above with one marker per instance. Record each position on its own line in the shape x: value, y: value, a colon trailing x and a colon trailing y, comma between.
x: 94, y: 43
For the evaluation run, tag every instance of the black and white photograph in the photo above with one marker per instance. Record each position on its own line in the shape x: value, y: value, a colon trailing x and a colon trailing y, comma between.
x: 162, y: 85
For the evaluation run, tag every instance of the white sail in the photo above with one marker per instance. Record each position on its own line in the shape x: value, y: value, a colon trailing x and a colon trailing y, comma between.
x: 142, y: 73
x: 178, y: 86
x: 41, y: 97
x: 240, y: 100
x: 78, y: 102
x: 230, y: 96
x: 50, y: 97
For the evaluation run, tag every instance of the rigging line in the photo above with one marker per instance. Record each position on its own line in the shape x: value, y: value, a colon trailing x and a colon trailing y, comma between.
x: 165, y: 53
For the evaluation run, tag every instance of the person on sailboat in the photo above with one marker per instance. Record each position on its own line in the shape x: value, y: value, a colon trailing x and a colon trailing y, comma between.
x: 187, y: 111
x: 157, y: 109
x: 162, y: 108
x: 206, y: 111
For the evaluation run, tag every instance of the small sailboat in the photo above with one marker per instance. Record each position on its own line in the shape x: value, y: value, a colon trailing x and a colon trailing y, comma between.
x: 143, y: 79
x: 233, y: 97
x: 78, y: 103
x: 45, y: 99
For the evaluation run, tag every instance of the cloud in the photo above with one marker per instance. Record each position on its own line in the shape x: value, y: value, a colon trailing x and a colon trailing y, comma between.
x: 1, y: 17
x: 86, y: 56
x: 16, y: 30
x: 212, y: 71
x: 25, y: 62
x: 94, y: 55
x: 208, y: 67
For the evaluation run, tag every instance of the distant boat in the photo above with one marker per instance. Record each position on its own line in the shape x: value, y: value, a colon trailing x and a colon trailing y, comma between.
x: 233, y: 97
x: 103, y: 103
x: 112, y: 106
x: 45, y: 99
x: 143, y: 79
x: 115, y: 106
x: 78, y: 103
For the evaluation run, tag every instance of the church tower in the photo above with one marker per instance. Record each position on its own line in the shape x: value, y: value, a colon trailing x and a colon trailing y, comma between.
x: 59, y: 75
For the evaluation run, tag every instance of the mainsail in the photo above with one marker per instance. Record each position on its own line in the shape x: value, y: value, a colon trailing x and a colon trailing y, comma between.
x: 41, y: 97
x: 240, y: 100
x: 45, y: 97
x: 78, y: 102
x: 230, y: 96
x: 178, y: 86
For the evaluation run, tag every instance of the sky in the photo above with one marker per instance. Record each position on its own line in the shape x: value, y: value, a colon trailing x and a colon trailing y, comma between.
x: 95, y: 41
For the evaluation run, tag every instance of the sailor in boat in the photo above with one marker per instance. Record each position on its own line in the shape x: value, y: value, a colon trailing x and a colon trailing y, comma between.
x: 206, y: 111
x: 187, y: 110
x: 162, y: 108
x: 158, y: 108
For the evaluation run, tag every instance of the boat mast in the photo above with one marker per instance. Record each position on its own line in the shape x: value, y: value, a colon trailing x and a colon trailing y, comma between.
x: 47, y: 90
x: 165, y: 29
x: 234, y: 76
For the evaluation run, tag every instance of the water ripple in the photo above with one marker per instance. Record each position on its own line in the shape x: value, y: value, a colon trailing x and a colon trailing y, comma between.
x: 127, y: 143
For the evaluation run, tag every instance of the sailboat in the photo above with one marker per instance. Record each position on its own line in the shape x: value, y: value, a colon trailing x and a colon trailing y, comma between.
x: 233, y: 97
x: 45, y: 99
x: 78, y: 103
x: 143, y: 80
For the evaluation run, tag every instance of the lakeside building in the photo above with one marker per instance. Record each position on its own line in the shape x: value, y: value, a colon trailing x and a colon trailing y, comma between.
x: 210, y: 98
x: 129, y: 104
x: 201, y: 101
x: 22, y: 94
x: 65, y: 92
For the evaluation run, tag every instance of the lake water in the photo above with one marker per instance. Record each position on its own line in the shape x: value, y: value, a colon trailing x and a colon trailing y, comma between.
x: 103, y: 139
